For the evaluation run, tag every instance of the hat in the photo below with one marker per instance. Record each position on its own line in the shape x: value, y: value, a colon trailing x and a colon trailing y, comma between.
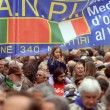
x: 100, y: 65
x: 69, y: 86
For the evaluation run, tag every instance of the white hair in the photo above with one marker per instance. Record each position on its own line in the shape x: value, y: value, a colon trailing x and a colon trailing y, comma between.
x: 20, y: 65
x: 74, y: 51
x: 71, y: 63
x: 45, y: 88
x: 8, y: 59
x: 89, y: 85
x: 42, y: 64
x: 13, y: 63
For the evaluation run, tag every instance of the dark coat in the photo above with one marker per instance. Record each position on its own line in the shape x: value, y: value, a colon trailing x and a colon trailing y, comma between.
x: 53, y: 65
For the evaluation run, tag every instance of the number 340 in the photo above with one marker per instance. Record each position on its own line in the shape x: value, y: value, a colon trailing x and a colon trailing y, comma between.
x: 29, y: 49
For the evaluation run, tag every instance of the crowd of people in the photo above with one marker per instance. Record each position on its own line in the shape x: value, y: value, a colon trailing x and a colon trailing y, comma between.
x: 75, y: 79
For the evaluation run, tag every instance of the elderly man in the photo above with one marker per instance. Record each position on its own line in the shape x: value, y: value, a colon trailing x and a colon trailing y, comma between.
x: 70, y: 66
x: 43, y: 66
x: 78, y: 71
x: 89, y: 93
x: 39, y: 77
x: 14, y: 80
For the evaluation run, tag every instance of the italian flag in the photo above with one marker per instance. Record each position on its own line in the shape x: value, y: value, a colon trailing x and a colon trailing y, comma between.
x: 41, y: 31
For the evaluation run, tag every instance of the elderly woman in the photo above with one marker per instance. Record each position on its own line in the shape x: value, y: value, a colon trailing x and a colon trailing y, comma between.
x: 89, y: 92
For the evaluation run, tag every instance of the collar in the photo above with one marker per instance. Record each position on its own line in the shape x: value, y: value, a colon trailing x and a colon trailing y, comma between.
x: 80, y: 103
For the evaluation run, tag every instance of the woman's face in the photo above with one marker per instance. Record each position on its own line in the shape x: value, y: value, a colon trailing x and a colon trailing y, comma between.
x: 57, y: 53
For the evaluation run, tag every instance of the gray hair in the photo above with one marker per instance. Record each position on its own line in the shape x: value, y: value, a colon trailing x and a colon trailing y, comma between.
x: 45, y: 88
x: 89, y: 85
x: 13, y: 63
x: 100, y: 58
x: 74, y: 51
x: 61, y: 103
x: 71, y: 63
x: 42, y: 64
x: 78, y: 63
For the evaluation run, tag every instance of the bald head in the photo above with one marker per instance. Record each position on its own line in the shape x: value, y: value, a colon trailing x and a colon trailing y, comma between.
x: 16, y: 103
x: 21, y: 101
x: 71, y: 63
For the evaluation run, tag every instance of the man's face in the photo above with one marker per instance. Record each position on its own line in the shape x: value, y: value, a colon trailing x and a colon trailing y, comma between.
x: 46, y: 77
x: 45, y: 68
x: 40, y: 76
x: 1, y: 67
x: 15, y: 77
x: 89, y: 99
x: 79, y: 70
x: 27, y: 72
x: 61, y: 78
x: 6, y: 70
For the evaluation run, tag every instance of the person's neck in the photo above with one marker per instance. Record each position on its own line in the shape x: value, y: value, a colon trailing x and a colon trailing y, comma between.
x: 59, y: 83
x: 79, y: 76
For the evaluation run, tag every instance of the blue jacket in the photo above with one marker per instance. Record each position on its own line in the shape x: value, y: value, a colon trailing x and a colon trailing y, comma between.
x: 78, y: 105
x: 54, y: 65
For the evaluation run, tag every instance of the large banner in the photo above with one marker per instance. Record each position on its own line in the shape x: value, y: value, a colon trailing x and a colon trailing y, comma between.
x: 31, y: 27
